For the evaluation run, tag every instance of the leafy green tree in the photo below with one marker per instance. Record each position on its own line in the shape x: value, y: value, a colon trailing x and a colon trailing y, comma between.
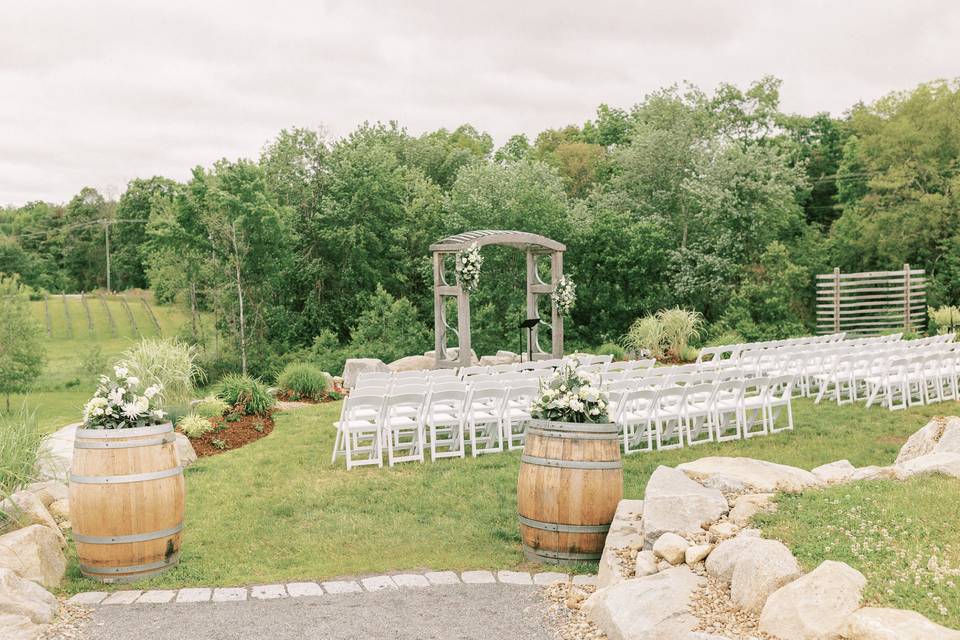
x: 388, y: 328
x: 129, y: 232
x: 84, y: 242
x: 22, y: 353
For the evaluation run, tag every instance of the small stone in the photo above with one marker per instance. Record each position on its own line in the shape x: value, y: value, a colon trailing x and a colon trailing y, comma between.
x: 410, y: 581
x: 268, y: 591
x: 122, y: 597
x: 157, y: 596
x: 585, y: 580
x: 442, y: 577
x: 477, y: 577
x: 671, y: 548
x: 60, y: 510
x: 747, y: 506
x: 724, y: 529
x: 197, y: 594
x: 514, y: 577
x: 229, y: 594
x: 763, y: 567
x: 304, y: 589
x: 378, y: 583
x: 697, y: 553
x: 337, y: 587
x: 645, y: 564
x: 49, y: 491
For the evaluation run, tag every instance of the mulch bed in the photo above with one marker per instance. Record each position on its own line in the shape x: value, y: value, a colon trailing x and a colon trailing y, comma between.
x: 233, y: 434
x: 287, y: 396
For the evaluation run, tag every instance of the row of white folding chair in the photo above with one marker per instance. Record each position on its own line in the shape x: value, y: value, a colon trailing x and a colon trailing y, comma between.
x: 380, y: 376
x: 676, y: 379
x: 918, y: 379
x: 700, y: 413
x: 490, y: 415
x: 723, y: 352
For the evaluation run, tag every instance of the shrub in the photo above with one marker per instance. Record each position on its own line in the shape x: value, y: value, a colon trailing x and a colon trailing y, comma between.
x: 944, y: 319
x: 645, y: 336
x: 169, y: 363
x: 210, y: 407
x: 303, y: 379
x: 389, y: 328
x: 725, y: 337
x: 246, y: 395
x: 19, y: 447
x: 688, y: 354
x: 680, y: 326
x: 194, y: 426
x: 327, y: 352
x: 611, y: 349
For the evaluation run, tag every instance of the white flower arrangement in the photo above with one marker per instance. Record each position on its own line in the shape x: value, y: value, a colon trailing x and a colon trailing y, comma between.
x: 119, y: 403
x: 468, y: 268
x: 564, y: 295
x: 571, y: 396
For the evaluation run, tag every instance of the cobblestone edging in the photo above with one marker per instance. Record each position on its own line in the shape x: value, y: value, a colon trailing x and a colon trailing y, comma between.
x: 331, y: 587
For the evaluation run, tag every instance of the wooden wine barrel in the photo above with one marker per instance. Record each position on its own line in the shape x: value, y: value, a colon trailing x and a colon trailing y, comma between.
x: 126, y: 502
x: 571, y: 479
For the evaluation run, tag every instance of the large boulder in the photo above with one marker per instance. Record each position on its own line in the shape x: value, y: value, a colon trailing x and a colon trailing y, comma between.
x: 56, y: 454
x: 835, y: 472
x: 763, y: 567
x: 25, y: 507
x: 412, y: 363
x: 723, y: 559
x: 628, y: 517
x: 611, y: 570
x: 747, y: 506
x: 946, y: 463
x: 940, y: 435
x: 873, y: 472
x: 814, y: 606
x: 674, y: 503
x: 21, y: 597
x: 34, y: 553
x: 49, y: 491
x: 13, y: 627
x: 185, y: 453
x: 871, y: 623
x: 492, y: 361
x: 655, y: 607
x: 355, y: 366
x: 453, y: 353
x: 757, y: 475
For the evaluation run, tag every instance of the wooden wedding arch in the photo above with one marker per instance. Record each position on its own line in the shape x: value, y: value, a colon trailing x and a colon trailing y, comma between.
x: 536, y: 247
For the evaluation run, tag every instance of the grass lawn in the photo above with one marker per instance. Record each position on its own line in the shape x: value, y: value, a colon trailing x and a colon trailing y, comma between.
x: 902, y: 536
x: 278, y: 510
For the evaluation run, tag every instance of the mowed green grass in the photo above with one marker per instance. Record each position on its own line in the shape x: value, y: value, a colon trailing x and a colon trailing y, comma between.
x: 67, y: 382
x: 278, y: 510
x: 902, y: 536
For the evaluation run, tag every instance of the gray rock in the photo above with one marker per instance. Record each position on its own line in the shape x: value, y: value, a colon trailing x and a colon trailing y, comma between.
x: 747, y: 506
x: 673, y: 503
x: 13, y: 627
x: 724, y: 529
x: 355, y: 366
x: 412, y: 363
x: 835, y: 472
x: 937, y: 432
x: 652, y: 607
x: 723, y: 559
x: 56, y: 453
x: 871, y: 623
x: 60, y: 510
x: 757, y: 475
x: 815, y: 605
x: 645, y: 564
x: 671, y: 548
x: 873, y: 472
x: 185, y: 453
x: 763, y: 567
x: 34, y: 553
x: 49, y: 491
x: 21, y: 597
x: 944, y: 463
x: 493, y: 361
x: 726, y: 484
x: 697, y: 553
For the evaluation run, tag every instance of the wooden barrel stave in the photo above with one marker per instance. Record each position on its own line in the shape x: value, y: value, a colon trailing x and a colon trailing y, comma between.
x: 565, y: 511
x: 126, y: 502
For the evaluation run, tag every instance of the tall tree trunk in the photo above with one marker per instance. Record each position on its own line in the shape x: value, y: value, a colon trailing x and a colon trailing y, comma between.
x: 193, y: 306
x: 243, y: 324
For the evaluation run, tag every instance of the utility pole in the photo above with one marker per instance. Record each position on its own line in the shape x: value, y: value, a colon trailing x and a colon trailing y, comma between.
x: 106, y: 235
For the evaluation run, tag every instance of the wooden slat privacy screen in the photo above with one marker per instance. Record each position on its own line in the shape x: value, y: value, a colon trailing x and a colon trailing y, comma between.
x: 872, y: 302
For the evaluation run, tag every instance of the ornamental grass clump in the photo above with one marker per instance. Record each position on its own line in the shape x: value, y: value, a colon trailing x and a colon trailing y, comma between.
x: 571, y: 396
x: 303, y: 380
x: 124, y: 401
x: 194, y: 426
x: 210, y: 407
x: 248, y: 396
x: 20, y: 441
x: 170, y: 364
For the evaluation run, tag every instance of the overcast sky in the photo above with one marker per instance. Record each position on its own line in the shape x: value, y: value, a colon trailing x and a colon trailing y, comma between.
x: 94, y: 93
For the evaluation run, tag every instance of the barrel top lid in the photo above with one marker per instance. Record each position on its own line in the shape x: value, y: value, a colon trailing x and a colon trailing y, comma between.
x: 152, y: 430
x: 575, y: 427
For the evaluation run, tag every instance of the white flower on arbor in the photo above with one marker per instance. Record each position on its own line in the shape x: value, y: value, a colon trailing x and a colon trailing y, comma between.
x: 468, y: 268
x: 564, y: 295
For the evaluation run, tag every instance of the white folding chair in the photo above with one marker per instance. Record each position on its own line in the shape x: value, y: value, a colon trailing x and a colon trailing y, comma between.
x: 698, y: 412
x: 634, y: 415
x: 516, y: 412
x: 359, y: 431
x: 483, y: 420
x: 444, y: 417
x: 667, y: 416
x: 727, y: 406
x: 780, y: 397
x: 754, y: 406
x: 403, y: 427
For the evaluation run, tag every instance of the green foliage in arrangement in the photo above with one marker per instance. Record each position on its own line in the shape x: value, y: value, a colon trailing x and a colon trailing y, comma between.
x: 248, y: 396
x: 303, y: 379
x: 194, y: 426
x: 22, y: 354
x: 210, y: 407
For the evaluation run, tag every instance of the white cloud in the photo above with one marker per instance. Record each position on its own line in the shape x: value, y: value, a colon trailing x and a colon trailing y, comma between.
x: 98, y: 92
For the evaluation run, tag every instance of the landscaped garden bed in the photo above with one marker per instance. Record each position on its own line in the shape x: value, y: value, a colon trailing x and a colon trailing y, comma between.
x: 228, y: 434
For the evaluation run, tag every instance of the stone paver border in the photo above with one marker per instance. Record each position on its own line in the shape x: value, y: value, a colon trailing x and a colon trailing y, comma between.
x: 330, y: 587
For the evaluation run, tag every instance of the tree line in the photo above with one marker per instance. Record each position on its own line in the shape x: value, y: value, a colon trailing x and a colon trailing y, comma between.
x: 719, y: 202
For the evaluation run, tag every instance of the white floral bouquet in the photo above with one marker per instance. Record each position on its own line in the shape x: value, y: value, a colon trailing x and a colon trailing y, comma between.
x: 121, y: 402
x: 564, y: 295
x: 468, y: 268
x: 571, y: 396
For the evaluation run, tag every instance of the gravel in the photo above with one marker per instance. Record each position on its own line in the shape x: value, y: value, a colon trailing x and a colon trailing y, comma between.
x: 564, y: 614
